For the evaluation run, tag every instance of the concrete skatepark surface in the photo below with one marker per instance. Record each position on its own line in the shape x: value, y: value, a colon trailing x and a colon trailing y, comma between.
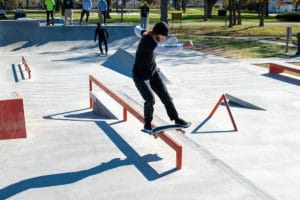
x: 71, y: 153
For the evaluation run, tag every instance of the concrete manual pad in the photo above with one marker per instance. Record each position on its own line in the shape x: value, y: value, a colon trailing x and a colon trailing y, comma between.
x: 70, y: 153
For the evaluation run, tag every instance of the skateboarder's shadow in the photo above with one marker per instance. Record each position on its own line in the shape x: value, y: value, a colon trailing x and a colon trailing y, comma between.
x: 68, y: 177
x: 132, y: 158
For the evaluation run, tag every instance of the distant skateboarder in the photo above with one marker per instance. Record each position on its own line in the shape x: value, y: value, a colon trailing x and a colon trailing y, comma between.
x: 102, y: 37
x: 147, y: 77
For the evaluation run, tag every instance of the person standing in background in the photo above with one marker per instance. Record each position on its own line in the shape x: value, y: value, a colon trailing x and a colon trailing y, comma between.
x: 102, y: 37
x: 68, y: 6
x: 102, y: 6
x: 49, y: 5
x: 86, y: 8
x: 144, y: 16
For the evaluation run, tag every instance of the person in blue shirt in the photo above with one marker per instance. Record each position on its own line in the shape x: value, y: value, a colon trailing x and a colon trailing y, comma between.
x: 146, y: 76
x: 102, y: 13
x: 86, y: 8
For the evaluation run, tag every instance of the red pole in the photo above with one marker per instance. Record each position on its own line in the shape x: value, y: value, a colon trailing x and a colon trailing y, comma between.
x: 229, y: 112
x: 90, y: 90
x: 216, y: 106
x: 124, y: 114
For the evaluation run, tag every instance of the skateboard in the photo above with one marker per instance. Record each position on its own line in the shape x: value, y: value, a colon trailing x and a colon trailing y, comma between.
x: 101, y: 54
x: 163, y: 128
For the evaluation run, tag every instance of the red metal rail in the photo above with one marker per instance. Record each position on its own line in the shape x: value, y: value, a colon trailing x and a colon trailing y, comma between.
x: 223, y: 98
x: 26, y: 67
x: 128, y: 108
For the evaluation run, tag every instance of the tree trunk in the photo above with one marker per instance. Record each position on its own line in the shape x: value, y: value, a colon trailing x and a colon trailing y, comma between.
x: 262, y: 12
x: 230, y: 7
x: 210, y: 5
x: 205, y: 10
x: 164, y: 10
x: 183, y: 5
x: 239, y: 12
x: 177, y: 4
x: 108, y: 9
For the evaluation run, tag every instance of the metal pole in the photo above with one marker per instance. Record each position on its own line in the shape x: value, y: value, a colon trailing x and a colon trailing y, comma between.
x: 298, y: 48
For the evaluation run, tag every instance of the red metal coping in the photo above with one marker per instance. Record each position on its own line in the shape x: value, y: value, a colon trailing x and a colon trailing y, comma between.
x: 26, y: 67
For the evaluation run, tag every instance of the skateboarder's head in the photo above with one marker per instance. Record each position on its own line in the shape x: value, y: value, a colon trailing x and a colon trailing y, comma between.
x: 160, y: 31
x: 161, y: 28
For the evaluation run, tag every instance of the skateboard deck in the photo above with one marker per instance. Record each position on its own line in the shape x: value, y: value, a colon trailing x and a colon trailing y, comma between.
x: 101, y: 54
x: 160, y: 129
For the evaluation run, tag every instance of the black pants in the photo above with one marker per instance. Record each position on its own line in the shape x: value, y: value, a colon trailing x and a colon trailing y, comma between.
x: 100, y: 45
x: 103, y: 14
x: 50, y: 13
x: 146, y: 88
x: 87, y: 15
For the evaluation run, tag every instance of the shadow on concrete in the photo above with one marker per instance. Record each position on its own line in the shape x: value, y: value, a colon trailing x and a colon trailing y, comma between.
x: 196, y: 130
x: 84, y: 114
x: 283, y: 78
x: 132, y: 156
x: 71, y: 177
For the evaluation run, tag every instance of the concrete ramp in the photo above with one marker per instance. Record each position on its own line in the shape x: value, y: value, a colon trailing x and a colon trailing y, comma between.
x: 35, y: 35
x: 121, y: 61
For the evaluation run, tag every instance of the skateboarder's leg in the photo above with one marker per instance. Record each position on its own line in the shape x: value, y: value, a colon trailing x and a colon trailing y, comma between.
x: 144, y: 89
x: 161, y: 90
x: 100, y: 45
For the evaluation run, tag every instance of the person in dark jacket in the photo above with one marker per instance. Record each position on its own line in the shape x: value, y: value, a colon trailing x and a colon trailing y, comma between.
x: 146, y: 76
x: 102, y: 37
x: 144, y: 16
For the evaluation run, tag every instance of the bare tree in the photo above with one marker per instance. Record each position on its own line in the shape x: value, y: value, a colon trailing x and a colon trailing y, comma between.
x: 164, y: 10
x: 239, y: 10
x: 183, y: 5
x: 262, y: 11
x: 230, y: 8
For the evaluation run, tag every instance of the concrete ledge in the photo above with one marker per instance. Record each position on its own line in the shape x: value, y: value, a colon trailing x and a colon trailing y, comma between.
x: 281, y: 67
x: 12, y: 120
x: 99, y: 109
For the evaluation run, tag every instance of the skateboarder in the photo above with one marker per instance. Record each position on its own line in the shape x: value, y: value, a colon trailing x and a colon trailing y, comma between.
x: 147, y: 78
x: 102, y: 37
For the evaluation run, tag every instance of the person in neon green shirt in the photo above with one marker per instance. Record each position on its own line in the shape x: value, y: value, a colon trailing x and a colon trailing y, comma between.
x: 49, y: 5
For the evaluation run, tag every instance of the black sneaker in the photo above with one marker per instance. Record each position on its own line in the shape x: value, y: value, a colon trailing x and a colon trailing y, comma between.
x: 147, y: 128
x: 181, y: 122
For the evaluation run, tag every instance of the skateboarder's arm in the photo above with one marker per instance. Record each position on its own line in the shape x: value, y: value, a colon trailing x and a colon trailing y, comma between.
x: 139, y: 31
x: 174, y: 47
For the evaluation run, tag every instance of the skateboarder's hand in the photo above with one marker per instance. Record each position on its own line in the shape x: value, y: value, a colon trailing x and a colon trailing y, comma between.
x: 188, y: 44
